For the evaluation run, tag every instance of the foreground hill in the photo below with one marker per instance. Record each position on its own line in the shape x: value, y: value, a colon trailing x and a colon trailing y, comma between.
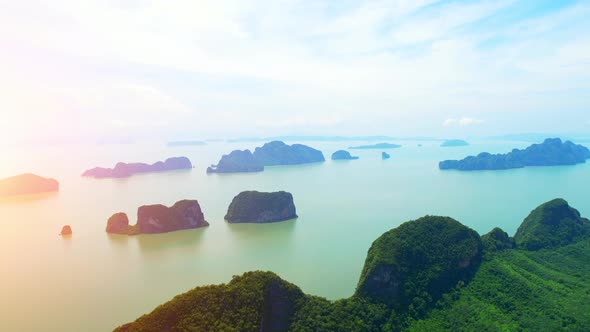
x: 431, y: 274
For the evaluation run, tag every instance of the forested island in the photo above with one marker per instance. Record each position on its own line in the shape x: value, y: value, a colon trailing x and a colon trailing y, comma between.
x: 157, y: 218
x: 376, y: 146
x: 26, y: 184
x: 270, y: 154
x: 261, y: 207
x: 343, y: 155
x: 430, y: 274
x: 552, y: 152
x: 123, y: 170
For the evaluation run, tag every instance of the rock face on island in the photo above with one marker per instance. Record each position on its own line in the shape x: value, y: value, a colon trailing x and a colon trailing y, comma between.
x: 66, y: 230
x: 385, y: 155
x: 552, y: 152
x: 454, y: 143
x: 278, y: 153
x: 154, y: 219
x: 261, y: 207
x: 25, y: 184
x: 123, y: 170
x: 424, y: 257
x: 343, y: 155
x: 552, y: 224
x: 235, y: 162
x: 376, y: 146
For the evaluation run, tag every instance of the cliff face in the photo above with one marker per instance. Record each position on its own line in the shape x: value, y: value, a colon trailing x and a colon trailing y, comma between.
x: 152, y: 219
x: 278, y: 153
x: 343, y: 155
x: 25, y: 184
x: 419, y: 261
x: 235, y: 162
x: 123, y: 170
x: 552, y: 224
x: 551, y: 152
x: 261, y: 207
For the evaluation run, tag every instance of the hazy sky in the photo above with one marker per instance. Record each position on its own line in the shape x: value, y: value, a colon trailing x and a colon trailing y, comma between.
x: 72, y: 69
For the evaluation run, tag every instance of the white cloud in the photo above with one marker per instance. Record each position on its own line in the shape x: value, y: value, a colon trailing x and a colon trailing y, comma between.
x: 462, y: 122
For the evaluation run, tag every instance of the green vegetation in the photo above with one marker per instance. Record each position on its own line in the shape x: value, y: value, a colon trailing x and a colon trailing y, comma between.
x: 261, y: 207
x: 425, y: 275
x: 550, y: 225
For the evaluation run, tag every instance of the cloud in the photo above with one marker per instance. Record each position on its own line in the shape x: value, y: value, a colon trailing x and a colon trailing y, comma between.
x: 462, y: 122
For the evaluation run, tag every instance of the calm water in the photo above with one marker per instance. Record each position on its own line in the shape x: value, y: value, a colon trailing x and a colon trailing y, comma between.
x: 95, y: 282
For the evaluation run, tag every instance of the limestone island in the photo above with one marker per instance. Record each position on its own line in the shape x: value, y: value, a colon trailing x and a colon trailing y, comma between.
x: 235, y: 162
x: 123, y: 170
x: 385, y: 155
x: 552, y: 152
x: 376, y: 146
x: 261, y: 207
x: 429, y: 274
x: 343, y: 155
x: 270, y: 154
x: 454, y: 143
x: 26, y: 184
x: 66, y: 230
x: 154, y: 219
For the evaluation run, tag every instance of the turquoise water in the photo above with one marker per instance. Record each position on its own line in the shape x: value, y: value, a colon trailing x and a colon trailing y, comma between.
x: 95, y: 282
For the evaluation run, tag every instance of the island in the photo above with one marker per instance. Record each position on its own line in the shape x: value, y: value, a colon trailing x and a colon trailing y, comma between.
x: 27, y: 184
x: 235, y: 162
x: 429, y: 274
x: 376, y: 146
x: 552, y: 152
x: 278, y: 153
x: 123, y: 170
x: 185, y: 143
x: 454, y: 143
x: 385, y: 155
x: 66, y: 230
x: 343, y: 155
x: 270, y: 154
x: 154, y: 219
x: 261, y: 207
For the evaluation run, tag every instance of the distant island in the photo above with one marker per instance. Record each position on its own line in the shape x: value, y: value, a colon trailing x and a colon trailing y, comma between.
x: 26, y: 184
x: 123, y: 170
x: 376, y: 146
x: 270, y: 154
x: 552, y: 152
x: 185, y: 143
x: 154, y: 219
x: 454, y: 143
x: 385, y: 155
x: 261, y: 207
x: 429, y: 274
x: 235, y: 162
x: 343, y: 155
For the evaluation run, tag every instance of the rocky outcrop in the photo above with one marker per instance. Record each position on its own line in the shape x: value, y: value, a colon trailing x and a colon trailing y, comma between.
x: 385, y: 155
x: 278, y: 153
x: 153, y: 219
x: 376, y: 146
x: 420, y: 259
x: 261, y: 207
x: 66, y: 230
x: 123, y: 170
x: 343, y: 155
x: 497, y: 240
x: 552, y: 152
x: 25, y: 184
x: 235, y: 162
x: 552, y: 224
x: 454, y: 143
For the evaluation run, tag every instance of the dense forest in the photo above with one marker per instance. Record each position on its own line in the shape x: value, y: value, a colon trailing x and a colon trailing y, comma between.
x: 430, y: 274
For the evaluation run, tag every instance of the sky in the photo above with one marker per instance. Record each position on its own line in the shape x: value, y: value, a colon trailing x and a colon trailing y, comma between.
x: 102, y: 70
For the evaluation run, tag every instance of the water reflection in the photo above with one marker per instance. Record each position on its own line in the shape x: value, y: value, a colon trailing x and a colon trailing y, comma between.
x: 172, y: 240
x: 28, y: 198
